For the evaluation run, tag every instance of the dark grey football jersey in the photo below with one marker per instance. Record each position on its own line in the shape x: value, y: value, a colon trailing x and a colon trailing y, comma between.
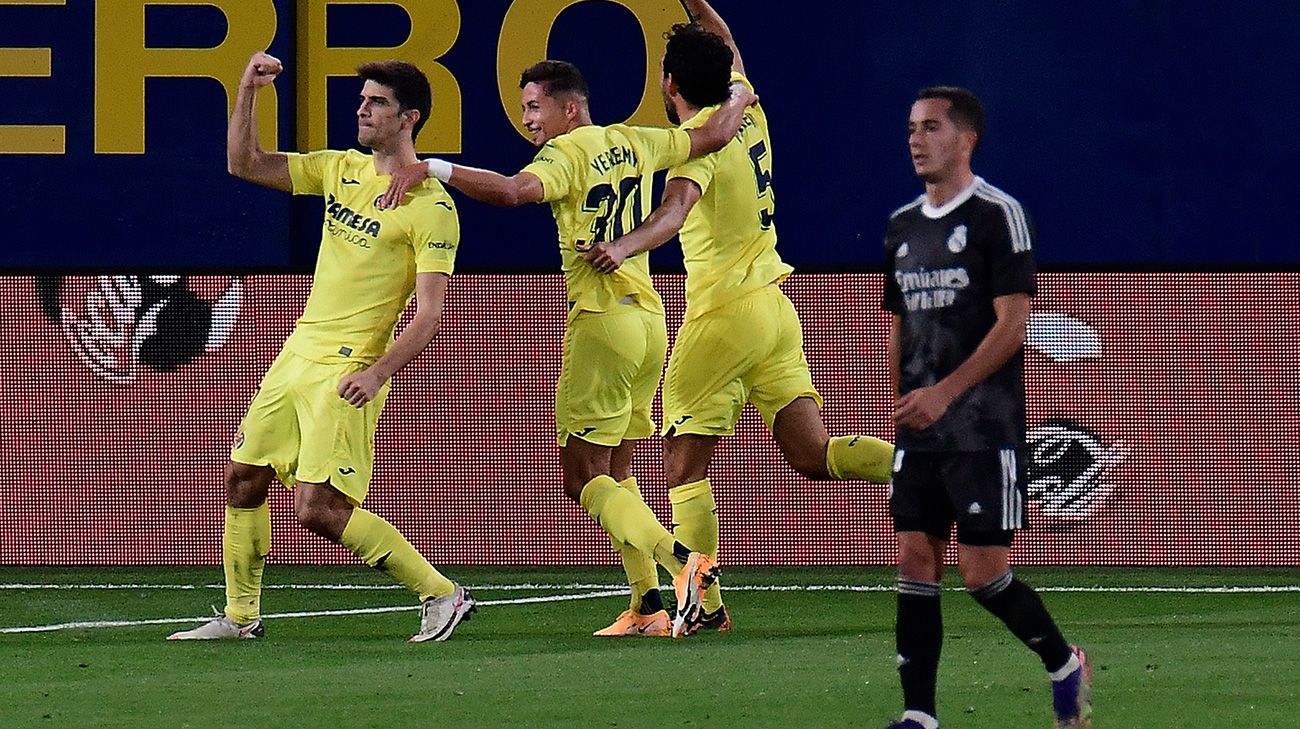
x: 944, y: 268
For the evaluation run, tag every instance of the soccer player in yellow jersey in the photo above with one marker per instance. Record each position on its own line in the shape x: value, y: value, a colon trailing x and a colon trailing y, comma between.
x: 741, y: 339
x: 597, y: 181
x: 312, y: 422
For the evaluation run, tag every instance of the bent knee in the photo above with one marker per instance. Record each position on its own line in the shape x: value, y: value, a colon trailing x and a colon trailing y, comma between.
x: 246, y: 485
x: 318, y: 518
x: 810, y: 468
x: 573, y: 489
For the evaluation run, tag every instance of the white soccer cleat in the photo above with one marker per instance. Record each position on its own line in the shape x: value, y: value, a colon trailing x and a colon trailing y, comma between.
x: 700, y: 571
x: 222, y: 628
x: 439, y: 616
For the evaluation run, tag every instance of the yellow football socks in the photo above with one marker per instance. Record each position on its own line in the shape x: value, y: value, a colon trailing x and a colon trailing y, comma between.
x: 639, y: 566
x: 381, y: 546
x: 860, y: 457
x: 625, y: 517
x: 696, y: 515
x: 245, y: 542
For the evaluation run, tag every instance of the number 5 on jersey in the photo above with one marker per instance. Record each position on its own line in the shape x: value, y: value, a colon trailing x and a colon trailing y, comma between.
x: 757, y: 154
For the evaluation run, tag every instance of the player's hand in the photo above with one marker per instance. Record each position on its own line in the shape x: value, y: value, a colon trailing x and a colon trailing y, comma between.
x: 262, y: 70
x: 741, y: 93
x: 921, y: 408
x: 403, y: 180
x: 606, y: 258
x: 360, y: 388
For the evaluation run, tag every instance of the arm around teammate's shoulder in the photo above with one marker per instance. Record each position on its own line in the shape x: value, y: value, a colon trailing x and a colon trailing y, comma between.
x: 680, y: 195
x: 482, y: 185
x: 723, y: 124
x: 495, y: 188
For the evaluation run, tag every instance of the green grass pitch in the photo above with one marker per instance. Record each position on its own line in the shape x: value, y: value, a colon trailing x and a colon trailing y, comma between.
x: 806, y: 652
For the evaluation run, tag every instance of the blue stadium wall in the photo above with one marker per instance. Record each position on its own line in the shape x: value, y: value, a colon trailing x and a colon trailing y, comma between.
x: 1153, y: 142
x: 1140, y: 133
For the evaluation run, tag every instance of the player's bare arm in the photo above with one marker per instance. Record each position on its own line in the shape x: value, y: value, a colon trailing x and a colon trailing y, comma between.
x: 921, y: 408
x: 704, y: 14
x: 723, y: 124
x: 680, y: 195
x: 245, y: 157
x: 482, y: 185
x: 361, y: 387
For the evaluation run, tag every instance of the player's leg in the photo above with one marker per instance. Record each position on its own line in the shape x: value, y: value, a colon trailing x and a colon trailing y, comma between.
x: 645, y: 615
x: 642, y: 573
x: 922, y: 521
x: 809, y: 449
x: 266, y: 447
x: 603, y: 352
x: 334, y: 471
x: 622, y: 514
x: 704, y: 393
x: 695, y: 514
x: 782, y: 390
x: 993, y: 492
x: 246, y: 538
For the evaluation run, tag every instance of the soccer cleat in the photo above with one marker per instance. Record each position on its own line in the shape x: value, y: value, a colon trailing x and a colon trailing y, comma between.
x: 700, y: 571
x: 906, y: 724
x: 1072, y: 695
x: 632, y: 623
x: 222, y: 628
x: 439, y: 616
x: 718, y: 621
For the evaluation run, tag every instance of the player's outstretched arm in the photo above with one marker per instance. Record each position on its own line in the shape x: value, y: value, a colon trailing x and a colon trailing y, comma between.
x: 723, y: 124
x: 680, y: 195
x: 245, y: 157
x: 361, y: 387
x: 704, y: 14
x: 482, y: 185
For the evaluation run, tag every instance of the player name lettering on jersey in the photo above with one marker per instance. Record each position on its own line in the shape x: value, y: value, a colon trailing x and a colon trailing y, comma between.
x: 350, y: 218
x: 606, y: 161
x: 746, y: 123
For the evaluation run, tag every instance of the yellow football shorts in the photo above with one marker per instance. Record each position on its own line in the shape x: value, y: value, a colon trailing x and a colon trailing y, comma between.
x: 750, y: 350
x: 298, y: 425
x: 612, y: 364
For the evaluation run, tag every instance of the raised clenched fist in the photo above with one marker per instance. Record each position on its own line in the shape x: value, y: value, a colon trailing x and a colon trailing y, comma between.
x: 262, y: 69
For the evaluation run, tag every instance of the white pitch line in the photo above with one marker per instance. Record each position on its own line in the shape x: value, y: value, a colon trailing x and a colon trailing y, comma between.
x: 1224, y: 590
x: 305, y: 614
x: 309, y: 586
x: 609, y: 590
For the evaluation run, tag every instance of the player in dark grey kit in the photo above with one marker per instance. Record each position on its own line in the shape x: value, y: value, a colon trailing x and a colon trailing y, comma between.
x: 960, y: 275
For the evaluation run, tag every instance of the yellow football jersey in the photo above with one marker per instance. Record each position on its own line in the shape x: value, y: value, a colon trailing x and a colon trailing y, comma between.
x: 365, y: 273
x: 598, y: 182
x: 729, y: 238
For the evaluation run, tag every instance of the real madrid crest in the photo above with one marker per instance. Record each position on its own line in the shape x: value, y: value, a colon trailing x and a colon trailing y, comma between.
x: 957, y: 239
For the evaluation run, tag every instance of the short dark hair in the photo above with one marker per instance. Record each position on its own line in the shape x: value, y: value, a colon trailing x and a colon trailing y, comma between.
x: 409, y: 84
x: 700, y: 64
x: 555, y: 78
x: 965, y: 111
